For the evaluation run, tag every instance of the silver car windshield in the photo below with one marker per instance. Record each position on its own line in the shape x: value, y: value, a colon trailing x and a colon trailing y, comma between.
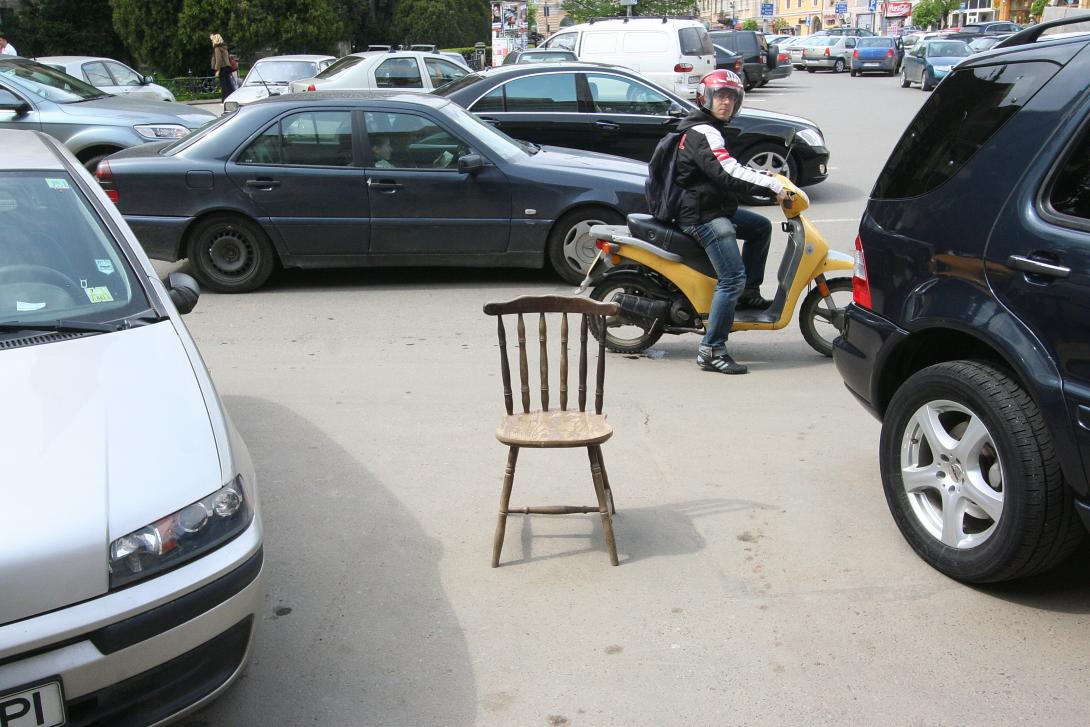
x: 58, y: 261
x: 48, y: 83
x: 495, y: 140
x: 279, y: 73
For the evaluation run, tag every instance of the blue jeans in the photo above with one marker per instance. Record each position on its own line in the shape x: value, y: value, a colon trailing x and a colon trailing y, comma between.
x: 736, y: 270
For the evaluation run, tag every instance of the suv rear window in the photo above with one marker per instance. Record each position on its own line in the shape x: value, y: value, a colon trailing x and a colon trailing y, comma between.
x: 695, y: 42
x: 965, y: 111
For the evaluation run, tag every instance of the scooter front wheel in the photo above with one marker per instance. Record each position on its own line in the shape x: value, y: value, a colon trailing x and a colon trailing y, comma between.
x: 622, y: 334
x: 821, y: 319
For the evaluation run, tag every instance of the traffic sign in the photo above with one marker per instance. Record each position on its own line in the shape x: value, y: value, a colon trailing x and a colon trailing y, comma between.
x: 873, y: 5
x: 841, y: 8
x: 768, y: 10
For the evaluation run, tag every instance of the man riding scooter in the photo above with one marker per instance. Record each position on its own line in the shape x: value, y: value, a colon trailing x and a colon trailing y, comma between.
x: 711, y: 180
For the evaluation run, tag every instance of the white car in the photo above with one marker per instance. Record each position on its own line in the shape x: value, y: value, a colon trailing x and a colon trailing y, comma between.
x: 272, y: 76
x: 131, y: 546
x: 404, y: 70
x: 109, y: 75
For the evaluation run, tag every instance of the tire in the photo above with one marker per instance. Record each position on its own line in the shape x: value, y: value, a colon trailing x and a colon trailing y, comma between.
x: 905, y: 83
x: 993, y: 509
x: 570, y: 248
x: 91, y: 163
x: 768, y: 157
x: 820, y: 322
x: 763, y: 83
x: 854, y: 73
x: 838, y: 67
x: 925, y: 82
x: 810, y: 70
x: 622, y: 334
x: 230, y: 254
x: 747, y: 85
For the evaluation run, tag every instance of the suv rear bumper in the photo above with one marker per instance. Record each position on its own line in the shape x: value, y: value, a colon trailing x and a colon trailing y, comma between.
x: 861, y: 350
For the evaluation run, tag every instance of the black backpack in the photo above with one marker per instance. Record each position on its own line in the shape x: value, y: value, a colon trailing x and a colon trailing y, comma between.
x: 661, y: 190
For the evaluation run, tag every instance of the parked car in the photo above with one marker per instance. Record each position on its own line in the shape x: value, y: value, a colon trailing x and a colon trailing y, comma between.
x: 969, y: 31
x: 674, y: 53
x: 90, y: 122
x: 783, y: 68
x: 359, y: 179
x: 109, y: 75
x: 852, y: 32
x: 795, y: 49
x: 271, y: 77
x: 877, y: 55
x: 986, y: 42
x: 616, y: 111
x: 410, y: 71
x: 727, y: 60
x: 758, y: 57
x: 132, y: 590
x: 930, y: 61
x: 830, y: 52
x: 536, y: 55
x: 967, y: 335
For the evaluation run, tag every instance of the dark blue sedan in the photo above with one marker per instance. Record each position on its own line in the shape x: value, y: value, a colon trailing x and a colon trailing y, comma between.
x: 365, y: 179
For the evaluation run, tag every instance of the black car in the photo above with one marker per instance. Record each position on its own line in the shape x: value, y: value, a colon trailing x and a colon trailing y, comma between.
x: 969, y: 31
x: 344, y: 179
x: 969, y: 335
x: 616, y: 111
x: 759, y: 59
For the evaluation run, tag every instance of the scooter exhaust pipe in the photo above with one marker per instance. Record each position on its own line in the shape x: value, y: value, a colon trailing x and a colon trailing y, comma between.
x: 643, y: 308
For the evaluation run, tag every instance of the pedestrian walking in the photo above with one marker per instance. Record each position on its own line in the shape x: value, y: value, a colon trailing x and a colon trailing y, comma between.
x: 221, y: 65
x: 6, y: 48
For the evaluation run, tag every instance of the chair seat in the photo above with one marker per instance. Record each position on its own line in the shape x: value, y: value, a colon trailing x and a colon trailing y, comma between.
x: 554, y: 429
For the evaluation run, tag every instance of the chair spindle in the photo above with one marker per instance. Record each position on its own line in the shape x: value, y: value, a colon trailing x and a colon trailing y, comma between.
x: 564, y: 363
x: 583, y: 364
x: 600, y: 321
x: 542, y: 339
x: 524, y: 371
x: 506, y: 372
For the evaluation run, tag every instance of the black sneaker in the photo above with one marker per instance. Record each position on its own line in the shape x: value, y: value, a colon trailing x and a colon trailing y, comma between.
x: 752, y: 300
x: 722, y: 364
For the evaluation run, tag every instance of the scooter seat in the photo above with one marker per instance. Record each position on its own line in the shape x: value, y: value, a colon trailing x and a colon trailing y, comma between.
x: 647, y: 228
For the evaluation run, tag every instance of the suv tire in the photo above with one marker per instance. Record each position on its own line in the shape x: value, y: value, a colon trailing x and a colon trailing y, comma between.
x: 988, y: 501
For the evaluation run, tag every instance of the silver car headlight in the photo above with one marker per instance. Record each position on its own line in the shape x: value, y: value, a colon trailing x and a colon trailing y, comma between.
x: 811, y: 137
x: 161, y: 131
x: 181, y: 536
x: 230, y: 107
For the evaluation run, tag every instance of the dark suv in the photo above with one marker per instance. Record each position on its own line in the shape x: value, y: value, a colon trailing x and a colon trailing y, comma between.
x: 759, y: 59
x: 969, y: 335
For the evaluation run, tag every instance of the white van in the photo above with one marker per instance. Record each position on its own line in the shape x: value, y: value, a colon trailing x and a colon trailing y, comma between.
x: 673, y: 53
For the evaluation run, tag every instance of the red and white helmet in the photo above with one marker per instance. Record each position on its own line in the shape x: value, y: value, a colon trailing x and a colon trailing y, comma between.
x: 717, y: 83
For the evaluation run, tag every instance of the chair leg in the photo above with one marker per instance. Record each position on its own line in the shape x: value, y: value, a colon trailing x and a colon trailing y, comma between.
x: 596, y: 471
x: 505, y: 503
x: 605, y: 481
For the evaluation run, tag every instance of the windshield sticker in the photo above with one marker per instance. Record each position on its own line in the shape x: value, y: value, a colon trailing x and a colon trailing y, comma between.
x: 100, y: 294
x: 57, y: 183
x: 22, y: 307
x: 106, y: 267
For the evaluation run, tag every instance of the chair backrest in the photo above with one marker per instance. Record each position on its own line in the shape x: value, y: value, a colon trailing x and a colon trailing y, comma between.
x: 593, y: 313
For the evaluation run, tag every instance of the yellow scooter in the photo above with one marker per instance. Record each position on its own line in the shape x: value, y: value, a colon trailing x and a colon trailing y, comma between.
x: 663, y: 281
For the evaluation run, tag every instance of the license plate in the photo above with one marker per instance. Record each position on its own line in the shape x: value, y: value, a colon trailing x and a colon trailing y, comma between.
x: 38, y: 706
x: 870, y: 65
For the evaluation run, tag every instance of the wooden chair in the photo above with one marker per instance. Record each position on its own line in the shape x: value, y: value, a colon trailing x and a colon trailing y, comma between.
x: 548, y: 428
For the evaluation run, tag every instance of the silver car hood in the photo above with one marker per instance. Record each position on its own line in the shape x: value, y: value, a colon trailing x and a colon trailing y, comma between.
x: 111, y: 110
x: 100, y: 436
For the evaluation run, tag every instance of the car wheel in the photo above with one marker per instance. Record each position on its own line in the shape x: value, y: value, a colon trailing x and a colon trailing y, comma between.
x: 971, y: 475
x: 747, y: 85
x: 90, y: 163
x: 853, y: 73
x: 622, y: 334
x: 231, y: 254
x: 809, y: 70
x: 905, y: 83
x: 768, y: 157
x: 763, y: 83
x: 925, y: 81
x: 822, y: 320
x: 838, y: 67
x: 571, y: 249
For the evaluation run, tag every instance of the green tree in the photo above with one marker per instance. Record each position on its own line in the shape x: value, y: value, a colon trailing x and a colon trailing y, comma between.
x: 780, y: 24
x: 147, y: 28
x: 286, y: 26
x: 1038, y: 8
x: 446, y: 23
x: 57, y: 27
x: 749, y: 24
x: 583, y: 10
x: 197, y: 20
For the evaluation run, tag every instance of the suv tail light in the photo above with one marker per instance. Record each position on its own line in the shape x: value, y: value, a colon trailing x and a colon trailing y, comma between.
x: 855, y: 54
x: 683, y: 68
x: 860, y: 284
x: 763, y: 58
x: 738, y: 67
x: 782, y: 58
x: 105, y: 177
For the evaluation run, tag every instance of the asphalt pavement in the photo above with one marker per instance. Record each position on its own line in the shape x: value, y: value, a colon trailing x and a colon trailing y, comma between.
x: 762, y: 579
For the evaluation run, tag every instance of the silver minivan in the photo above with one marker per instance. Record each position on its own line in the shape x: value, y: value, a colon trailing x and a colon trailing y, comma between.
x: 130, y: 538
x: 90, y: 122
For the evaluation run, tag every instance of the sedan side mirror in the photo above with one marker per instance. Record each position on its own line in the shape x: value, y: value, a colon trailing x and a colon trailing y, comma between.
x: 184, y: 292
x: 148, y: 80
x: 470, y: 163
x: 10, y: 102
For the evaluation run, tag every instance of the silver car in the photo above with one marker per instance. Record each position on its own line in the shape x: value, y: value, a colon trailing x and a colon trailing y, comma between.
x: 831, y: 52
x: 409, y: 71
x: 90, y: 122
x: 109, y: 75
x: 131, y: 540
x: 271, y: 76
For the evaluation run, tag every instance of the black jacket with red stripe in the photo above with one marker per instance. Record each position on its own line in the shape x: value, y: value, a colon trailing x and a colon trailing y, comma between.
x: 711, y: 179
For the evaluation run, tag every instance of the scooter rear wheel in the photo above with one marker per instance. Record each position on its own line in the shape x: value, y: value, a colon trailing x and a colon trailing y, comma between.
x: 821, y: 320
x: 623, y: 335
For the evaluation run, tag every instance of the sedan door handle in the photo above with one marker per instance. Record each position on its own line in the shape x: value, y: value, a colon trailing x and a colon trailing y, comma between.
x: 607, y: 125
x: 1037, y: 267
x: 262, y: 183
x: 386, y: 186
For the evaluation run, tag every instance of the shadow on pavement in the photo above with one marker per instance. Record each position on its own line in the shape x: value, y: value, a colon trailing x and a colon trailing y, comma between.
x: 826, y: 192
x: 1065, y: 589
x: 356, y: 627
x: 378, y: 278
